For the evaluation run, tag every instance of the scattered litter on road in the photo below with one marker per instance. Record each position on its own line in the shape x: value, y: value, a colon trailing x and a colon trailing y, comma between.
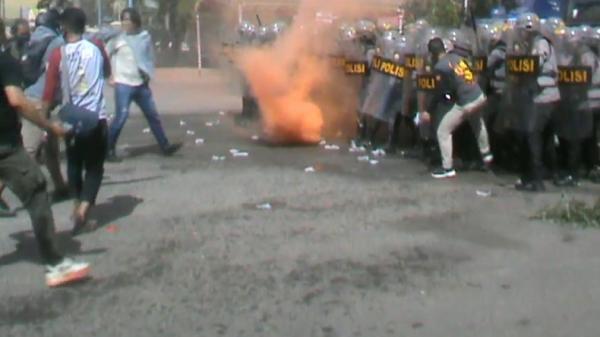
x: 373, y: 162
x: 146, y: 130
x: 199, y: 141
x: 264, y: 207
x: 484, y: 193
x: 363, y: 158
x: 255, y: 137
x: 112, y: 228
x: 240, y: 154
x: 354, y: 148
x: 332, y: 147
x: 233, y: 151
x: 221, y: 113
x: 190, y: 132
x: 218, y: 158
x: 213, y: 123
x: 309, y: 169
x: 182, y: 123
x: 378, y: 153
x: 323, y: 142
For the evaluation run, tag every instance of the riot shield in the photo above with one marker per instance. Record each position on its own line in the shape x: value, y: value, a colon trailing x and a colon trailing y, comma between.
x: 574, y: 118
x: 385, y: 74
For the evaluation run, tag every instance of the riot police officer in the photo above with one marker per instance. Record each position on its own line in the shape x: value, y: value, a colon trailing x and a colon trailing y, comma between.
x: 533, y: 94
x: 591, y: 56
x: 248, y: 35
x: 574, y: 117
x: 386, y: 75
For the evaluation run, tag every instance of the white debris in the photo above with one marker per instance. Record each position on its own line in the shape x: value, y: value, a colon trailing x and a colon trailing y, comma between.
x: 209, y: 124
x: 190, y: 132
x: 354, y: 149
x: 182, y: 123
x: 378, y: 153
x: 484, y: 193
x: 264, y: 207
x: 363, y: 158
x: 255, y: 137
x: 323, y: 142
x: 234, y: 151
x: 146, y: 130
x: 218, y: 158
x: 373, y: 162
x: 241, y: 154
x: 309, y: 169
x: 221, y: 113
x: 199, y: 141
x: 332, y: 147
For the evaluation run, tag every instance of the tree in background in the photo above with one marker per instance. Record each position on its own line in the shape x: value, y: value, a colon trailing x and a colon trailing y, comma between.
x: 448, y: 13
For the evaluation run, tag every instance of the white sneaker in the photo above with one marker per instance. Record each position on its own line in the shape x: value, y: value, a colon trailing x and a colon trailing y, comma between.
x: 65, y: 272
x: 488, y: 159
x: 442, y: 173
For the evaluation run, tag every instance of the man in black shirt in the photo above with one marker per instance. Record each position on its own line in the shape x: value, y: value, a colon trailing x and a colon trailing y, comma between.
x: 22, y: 175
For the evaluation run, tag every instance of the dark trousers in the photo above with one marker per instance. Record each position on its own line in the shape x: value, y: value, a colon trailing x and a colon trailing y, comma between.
x: 534, y: 144
x: 142, y: 96
x: 23, y: 176
x: 85, y: 163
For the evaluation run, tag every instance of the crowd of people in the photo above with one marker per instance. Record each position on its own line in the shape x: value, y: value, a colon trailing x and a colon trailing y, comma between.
x: 527, y: 88
x: 58, y: 71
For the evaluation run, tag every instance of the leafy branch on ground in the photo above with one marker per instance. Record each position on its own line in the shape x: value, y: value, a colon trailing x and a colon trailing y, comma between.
x: 572, y: 212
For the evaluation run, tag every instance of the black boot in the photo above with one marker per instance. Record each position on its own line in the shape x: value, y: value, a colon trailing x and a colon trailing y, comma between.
x: 530, y: 186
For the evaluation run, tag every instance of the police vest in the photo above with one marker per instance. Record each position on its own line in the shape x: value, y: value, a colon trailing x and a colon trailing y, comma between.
x: 388, y: 67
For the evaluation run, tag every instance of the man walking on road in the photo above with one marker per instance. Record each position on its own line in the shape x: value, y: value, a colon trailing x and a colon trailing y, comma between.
x: 132, y: 59
x: 21, y: 174
x: 44, y: 41
x: 79, y: 69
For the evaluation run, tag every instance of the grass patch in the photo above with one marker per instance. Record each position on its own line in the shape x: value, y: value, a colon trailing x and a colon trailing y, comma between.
x: 572, y: 212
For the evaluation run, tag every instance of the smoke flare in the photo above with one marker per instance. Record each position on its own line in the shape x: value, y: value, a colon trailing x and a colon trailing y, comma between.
x: 292, y: 78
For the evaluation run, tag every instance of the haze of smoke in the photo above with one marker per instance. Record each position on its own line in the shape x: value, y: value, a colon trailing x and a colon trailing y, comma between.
x: 294, y: 80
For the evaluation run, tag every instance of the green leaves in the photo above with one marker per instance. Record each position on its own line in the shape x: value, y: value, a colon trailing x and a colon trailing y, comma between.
x: 572, y: 212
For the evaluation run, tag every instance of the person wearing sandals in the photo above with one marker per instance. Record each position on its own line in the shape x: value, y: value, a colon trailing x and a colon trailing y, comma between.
x: 79, y: 69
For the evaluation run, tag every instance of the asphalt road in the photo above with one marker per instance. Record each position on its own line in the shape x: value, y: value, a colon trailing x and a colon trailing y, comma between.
x: 352, y: 249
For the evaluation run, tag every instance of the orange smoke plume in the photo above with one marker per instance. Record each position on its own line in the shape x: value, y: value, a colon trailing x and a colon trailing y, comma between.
x: 290, y: 77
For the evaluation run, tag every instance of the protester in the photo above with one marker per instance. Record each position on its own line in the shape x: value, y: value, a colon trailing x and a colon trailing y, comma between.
x: 457, y: 86
x: 79, y: 69
x: 20, y: 34
x: 33, y: 58
x: 21, y: 174
x: 44, y: 41
x: 132, y: 58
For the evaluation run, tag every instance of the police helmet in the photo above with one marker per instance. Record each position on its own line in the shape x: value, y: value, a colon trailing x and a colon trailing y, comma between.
x: 264, y: 34
x: 460, y: 40
x: 278, y: 27
x: 366, y: 28
x: 247, y: 29
x: 529, y: 22
x: 348, y: 33
x: 590, y: 36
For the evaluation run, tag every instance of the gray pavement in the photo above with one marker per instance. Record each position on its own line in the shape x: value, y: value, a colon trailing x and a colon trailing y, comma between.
x: 352, y: 249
